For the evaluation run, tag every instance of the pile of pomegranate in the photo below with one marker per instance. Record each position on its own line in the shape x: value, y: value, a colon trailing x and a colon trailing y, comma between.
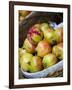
x: 42, y: 48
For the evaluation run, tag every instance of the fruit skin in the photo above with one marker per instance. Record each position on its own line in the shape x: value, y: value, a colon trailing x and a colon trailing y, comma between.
x: 25, y: 61
x: 58, y: 35
x: 43, y: 48
x: 49, y: 60
x: 21, y: 52
x: 49, y: 36
x: 58, y: 51
x: 35, y: 35
x: 36, y: 64
x: 48, y: 33
x: 44, y: 26
x: 28, y: 46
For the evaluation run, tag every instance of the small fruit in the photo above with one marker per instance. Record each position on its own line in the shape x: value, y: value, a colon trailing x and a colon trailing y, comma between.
x: 25, y: 61
x: 28, y: 46
x: 58, y: 51
x: 43, y: 48
x: 58, y: 35
x: 36, y: 64
x: 35, y: 34
x: 49, y: 60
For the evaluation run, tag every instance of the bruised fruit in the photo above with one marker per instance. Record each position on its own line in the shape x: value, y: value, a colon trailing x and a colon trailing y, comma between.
x: 49, y: 60
x: 58, y: 51
x: 36, y: 64
x: 28, y: 46
x: 35, y: 35
x: 43, y: 48
x: 25, y: 61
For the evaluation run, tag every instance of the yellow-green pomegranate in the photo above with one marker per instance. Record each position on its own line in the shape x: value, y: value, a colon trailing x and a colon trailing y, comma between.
x: 35, y: 35
x: 36, y: 64
x: 25, y: 61
x: 43, y: 48
x: 49, y: 60
x: 28, y: 46
x: 58, y: 51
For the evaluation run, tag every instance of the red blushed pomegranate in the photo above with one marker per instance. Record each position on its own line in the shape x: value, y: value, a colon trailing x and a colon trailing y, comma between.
x: 43, y: 48
x: 35, y: 35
